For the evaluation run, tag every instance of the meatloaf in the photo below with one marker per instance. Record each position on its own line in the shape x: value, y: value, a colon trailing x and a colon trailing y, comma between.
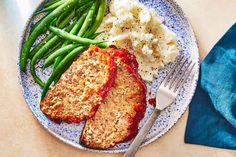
x: 81, y: 89
x: 117, y: 118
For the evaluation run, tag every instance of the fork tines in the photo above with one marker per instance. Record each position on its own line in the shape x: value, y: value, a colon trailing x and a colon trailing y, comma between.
x: 179, y: 74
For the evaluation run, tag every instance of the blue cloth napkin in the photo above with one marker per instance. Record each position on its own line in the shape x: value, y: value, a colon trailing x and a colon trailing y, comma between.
x: 212, y: 112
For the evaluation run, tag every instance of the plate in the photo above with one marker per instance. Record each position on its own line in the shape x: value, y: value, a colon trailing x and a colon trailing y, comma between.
x: 176, y: 21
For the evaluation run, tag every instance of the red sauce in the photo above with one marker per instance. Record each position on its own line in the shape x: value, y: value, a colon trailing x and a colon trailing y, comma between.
x: 129, y: 59
x: 70, y: 119
x: 152, y: 101
x: 140, y: 108
x: 107, y: 86
x: 111, y: 78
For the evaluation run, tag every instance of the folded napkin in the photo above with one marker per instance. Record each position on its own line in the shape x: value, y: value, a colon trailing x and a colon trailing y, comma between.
x: 212, y: 112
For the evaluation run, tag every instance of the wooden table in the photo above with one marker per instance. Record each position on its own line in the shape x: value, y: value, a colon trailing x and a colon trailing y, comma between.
x: 21, y: 135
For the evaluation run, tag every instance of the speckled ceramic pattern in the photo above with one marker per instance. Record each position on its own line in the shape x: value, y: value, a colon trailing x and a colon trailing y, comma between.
x: 70, y: 133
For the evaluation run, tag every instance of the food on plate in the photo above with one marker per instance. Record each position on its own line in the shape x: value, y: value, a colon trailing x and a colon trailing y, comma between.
x: 117, y: 118
x: 38, y: 30
x: 140, y: 29
x: 81, y: 89
x: 103, y: 86
x: 70, y: 22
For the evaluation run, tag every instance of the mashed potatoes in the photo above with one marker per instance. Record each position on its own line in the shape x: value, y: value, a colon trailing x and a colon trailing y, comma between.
x: 139, y: 29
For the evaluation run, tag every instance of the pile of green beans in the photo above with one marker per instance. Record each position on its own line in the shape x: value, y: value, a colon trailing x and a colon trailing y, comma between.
x: 72, y: 26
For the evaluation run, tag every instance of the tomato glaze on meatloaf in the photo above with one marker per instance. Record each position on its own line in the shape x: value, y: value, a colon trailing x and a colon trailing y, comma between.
x: 117, y: 118
x: 82, y: 88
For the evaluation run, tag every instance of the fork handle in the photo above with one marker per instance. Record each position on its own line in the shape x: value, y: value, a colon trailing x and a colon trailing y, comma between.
x: 142, y: 134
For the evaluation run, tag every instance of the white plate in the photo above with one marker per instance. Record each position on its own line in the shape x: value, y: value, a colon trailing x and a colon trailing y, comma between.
x: 70, y: 133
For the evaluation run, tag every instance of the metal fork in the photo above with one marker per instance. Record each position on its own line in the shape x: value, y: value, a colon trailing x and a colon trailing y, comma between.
x: 166, y: 94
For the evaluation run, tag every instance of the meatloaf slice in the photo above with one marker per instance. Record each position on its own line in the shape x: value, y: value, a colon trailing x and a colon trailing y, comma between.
x: 81, y: 89
x: 117, y: 118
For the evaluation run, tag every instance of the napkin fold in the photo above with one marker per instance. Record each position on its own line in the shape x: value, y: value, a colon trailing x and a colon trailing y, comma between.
x: 212, y: 112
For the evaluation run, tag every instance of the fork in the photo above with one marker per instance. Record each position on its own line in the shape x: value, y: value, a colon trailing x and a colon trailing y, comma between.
x: 166, y: 94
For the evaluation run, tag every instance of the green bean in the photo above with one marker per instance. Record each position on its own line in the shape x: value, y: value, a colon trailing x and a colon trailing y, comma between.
x: 46, y: 39
x: 57, y: 61
x: 83, y: 29
x: 103, y: 45
x: 61, y: 25
x: 51, y: 7
x: 85, y: 6
x: 41, y: 53
x: 82, y: 8
x: 53, y: 23
x: 51, y: 50
x: 59, y: 52
x: 88, y: 19
x: 45, y: 28
x: 36, y: 24
x: 64, y: 15
x: 46, y: 4
x: 68, y: 36
x: 67, y: 19
x: 77, y: 26
x: 57, y: 4
x: 67, y: 15
x: 32, y: 37
x: 59, y: 69
x: 74, y: 31
x: 98, y: 20
x: 95, y: 35
x: 82, y: 2
x: 79, y: 23
x: 39, y: 46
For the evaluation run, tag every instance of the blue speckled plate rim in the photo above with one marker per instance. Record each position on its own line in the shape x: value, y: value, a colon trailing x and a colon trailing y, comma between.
x: 191, y: 31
